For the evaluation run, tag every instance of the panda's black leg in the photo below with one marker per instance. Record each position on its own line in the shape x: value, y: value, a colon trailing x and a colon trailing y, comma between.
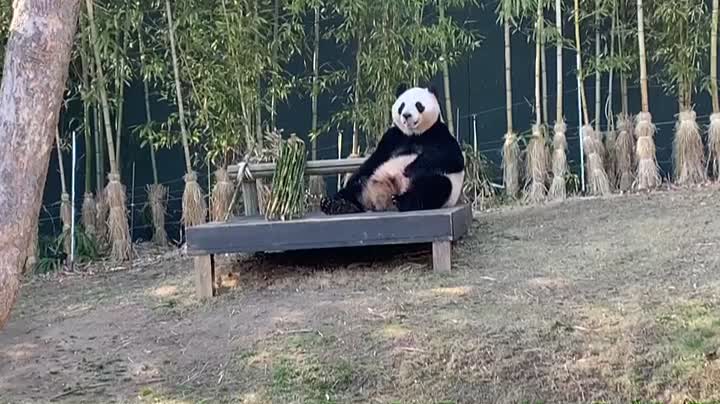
x: 426, y: 192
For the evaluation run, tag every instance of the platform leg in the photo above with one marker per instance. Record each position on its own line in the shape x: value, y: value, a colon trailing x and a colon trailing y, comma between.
x: 204, y: 275
x: 441, y: 253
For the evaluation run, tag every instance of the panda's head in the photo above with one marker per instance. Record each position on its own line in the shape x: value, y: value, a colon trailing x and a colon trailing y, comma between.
x: 415, y: 110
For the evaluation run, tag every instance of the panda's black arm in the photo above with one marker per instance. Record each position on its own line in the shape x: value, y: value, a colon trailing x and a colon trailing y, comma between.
x: 438, y: 157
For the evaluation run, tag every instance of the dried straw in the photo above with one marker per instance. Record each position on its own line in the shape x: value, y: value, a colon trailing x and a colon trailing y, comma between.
x: 558, y: 189
x: 714, y: 145
x: 101, y: 211
x: 598, y: 182
x: 194, y: 209
x: 157, y: 197
x: 222, y: 195
x: 118, y: 228
x: 647, y: 176
x: 66, y: 217
x: 609, y: 158
x: 511, y: 164
x: 688, y: 153
x: 624, y: 152
x: 89, y: 214
x: 597, y: 178
x: 537, y: 167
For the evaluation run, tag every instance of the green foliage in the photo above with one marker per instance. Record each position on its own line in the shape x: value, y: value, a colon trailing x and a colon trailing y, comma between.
x: 51, y: 250
x: 401, y: 42
x: 678, y: 33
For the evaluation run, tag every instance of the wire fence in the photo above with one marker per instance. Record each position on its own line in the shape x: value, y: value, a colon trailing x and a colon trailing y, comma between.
x: 137, y: 196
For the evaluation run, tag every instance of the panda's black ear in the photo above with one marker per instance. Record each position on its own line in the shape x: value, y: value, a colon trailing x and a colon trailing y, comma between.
x: 431, y: 88
x: 401, y: 88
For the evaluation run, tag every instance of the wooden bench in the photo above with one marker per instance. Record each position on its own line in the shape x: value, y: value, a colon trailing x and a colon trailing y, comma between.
x: 253, y: 233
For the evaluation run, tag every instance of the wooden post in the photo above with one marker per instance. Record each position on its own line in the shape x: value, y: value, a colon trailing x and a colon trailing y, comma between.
x: 250, y: 198
x: 204, y: 275
x: 441, y: 254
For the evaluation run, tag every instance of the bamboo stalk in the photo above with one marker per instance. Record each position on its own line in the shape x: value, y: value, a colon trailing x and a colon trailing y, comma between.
x: 544, y: 73
x: 538, y: 28
x: 597, y: 70
x: 356, y: 97
x: 559, y: 61
x: 713, y: 58
x: 508, y: 77
x: 445, y: 69
x: 643, y: 67
x: 194, y: 206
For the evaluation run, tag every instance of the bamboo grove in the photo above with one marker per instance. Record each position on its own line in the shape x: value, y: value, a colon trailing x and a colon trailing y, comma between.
x: 223, y: 69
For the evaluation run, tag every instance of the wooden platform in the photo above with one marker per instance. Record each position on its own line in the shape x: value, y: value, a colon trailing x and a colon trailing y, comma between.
x: 255, y: 234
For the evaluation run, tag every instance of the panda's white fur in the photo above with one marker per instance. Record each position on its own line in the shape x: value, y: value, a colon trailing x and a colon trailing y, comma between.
x: 414, y: 112
x: 412, y: 121
x: 386, y: 181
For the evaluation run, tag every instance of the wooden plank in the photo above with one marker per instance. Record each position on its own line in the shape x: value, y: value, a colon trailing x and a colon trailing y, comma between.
x: 255, y: 234
x: 204, y: 275
x: 313, y: 167
x: 441, y: 256
x: 461, y: 221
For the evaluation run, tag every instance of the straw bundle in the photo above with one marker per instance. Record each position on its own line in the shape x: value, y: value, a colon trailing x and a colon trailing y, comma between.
x: 536, y: 166
x: 194, y: 209
x: 558, y: 190
x: 624, y: 151
x: 101, y: 216
x: 714, y: 144
x: 222, y: 195
x: 89, y: 214
x: 598, y: 182
x: 66, y: 218
x: 609, y: 157
x: 511, y: 164
x: 287, y: 194
x: 157, y: 197
x: 647, y: 176
x: 688, y: 153
x: 118, y: 229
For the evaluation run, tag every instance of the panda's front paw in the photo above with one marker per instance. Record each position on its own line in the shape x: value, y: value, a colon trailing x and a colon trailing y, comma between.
x: 337, y: 205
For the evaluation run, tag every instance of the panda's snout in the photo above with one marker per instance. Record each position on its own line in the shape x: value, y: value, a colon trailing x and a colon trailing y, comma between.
x: 407, y: 115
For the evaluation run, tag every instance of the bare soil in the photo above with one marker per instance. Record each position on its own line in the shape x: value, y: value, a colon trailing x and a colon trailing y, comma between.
x: 589, y: 300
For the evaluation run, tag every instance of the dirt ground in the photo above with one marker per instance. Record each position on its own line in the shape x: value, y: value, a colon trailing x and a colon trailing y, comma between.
x: 590, y: 300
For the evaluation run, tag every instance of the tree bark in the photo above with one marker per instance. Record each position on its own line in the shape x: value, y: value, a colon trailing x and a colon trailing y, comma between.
x: 35, y: 70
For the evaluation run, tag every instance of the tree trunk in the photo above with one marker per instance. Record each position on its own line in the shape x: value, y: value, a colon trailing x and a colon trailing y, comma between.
x: 641, y: 48
x: 36, y: 64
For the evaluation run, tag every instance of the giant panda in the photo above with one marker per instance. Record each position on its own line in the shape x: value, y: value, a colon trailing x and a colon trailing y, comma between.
x: 417, y: 164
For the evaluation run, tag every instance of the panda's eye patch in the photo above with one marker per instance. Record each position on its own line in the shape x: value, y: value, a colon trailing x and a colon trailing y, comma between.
x: 420, y: 107
x: 400, y: 110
